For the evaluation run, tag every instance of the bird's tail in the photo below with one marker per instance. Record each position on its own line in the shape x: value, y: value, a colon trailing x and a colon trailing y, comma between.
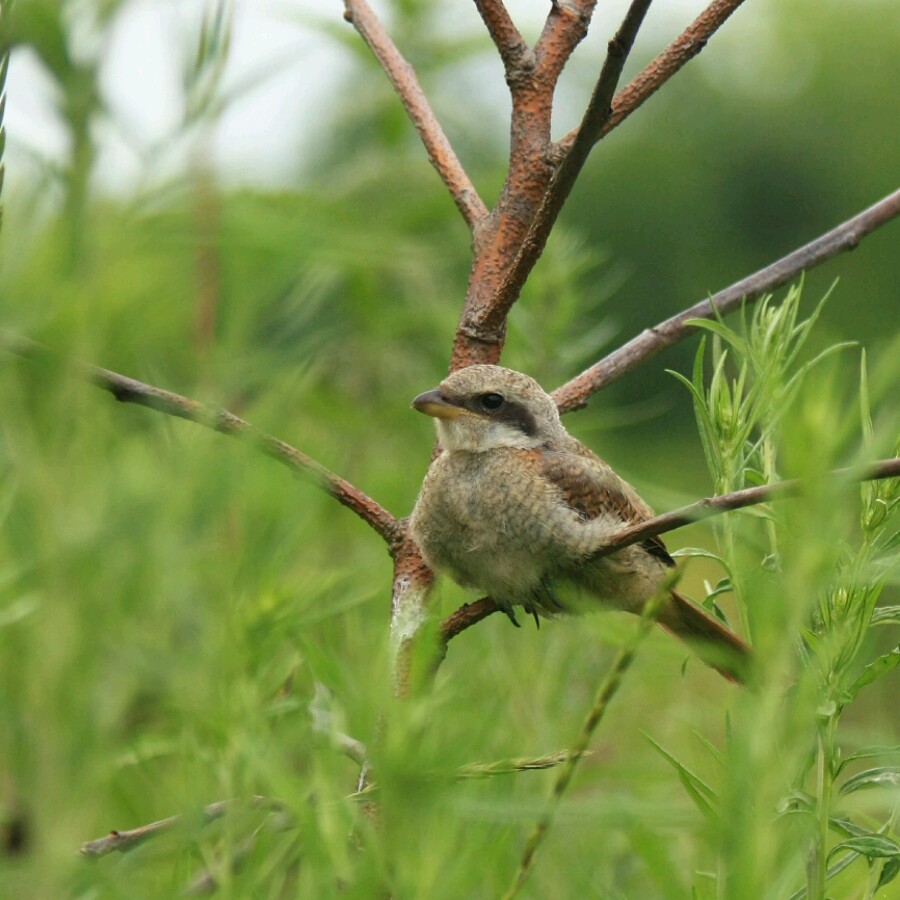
x: 713, y: 642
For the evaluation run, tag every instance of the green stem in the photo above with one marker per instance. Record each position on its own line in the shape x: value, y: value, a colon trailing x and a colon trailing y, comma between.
x: 824, y: 788
x: 605, y: 693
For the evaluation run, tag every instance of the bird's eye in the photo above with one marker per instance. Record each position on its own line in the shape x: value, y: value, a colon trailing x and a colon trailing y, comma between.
x: 490, y: 402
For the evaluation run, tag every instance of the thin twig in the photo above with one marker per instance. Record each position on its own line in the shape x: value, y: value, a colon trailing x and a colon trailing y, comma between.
x: 403, y: 78
x: 650, y: 79
x: 605, y: 693
x: 597, y: 113
x: 123, y: 841
x: 472, y: 613
x: 714, y: 506
x: 510, y: 45
x: 129, y: 390
x: 575, y: 393
x: 599, y: 109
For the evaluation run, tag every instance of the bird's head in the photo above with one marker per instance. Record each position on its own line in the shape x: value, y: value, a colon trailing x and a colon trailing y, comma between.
x: 484, y: 407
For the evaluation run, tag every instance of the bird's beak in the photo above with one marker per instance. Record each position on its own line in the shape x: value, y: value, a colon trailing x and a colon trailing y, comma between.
x: 433, y: 403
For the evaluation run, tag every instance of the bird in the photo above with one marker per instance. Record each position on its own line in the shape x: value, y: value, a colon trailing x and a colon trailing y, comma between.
x: 517, y: 508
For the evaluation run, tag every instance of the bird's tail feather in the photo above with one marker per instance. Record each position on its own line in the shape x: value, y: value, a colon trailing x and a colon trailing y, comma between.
x: 713, y: 642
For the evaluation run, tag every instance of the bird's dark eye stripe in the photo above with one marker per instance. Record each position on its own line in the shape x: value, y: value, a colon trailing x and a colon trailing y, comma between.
x: 509, y: 412
x: 519, y: 417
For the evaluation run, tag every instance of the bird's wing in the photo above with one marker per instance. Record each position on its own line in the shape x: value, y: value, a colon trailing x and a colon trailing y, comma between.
x: 589, y: 486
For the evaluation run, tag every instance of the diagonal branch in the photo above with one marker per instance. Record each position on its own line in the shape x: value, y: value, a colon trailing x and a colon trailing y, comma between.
x: 753, y: 496
x: 128, y: 390
x: 472, y: 613
x: 403, y: 78
x: 597, y: 113
x: 599, y: 109
x: 512, y: 48
x: 647, y: 82
x: 122, y: 841
x: 575, y: 393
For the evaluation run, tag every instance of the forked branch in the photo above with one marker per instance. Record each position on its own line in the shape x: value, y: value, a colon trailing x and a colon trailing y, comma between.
x: 403, y: 78
x: 472, y: 613
x: 575, y: 393
x: 650, y: 79
x: 129, y: 390
x: 510, y: 44
x: 597, y: 113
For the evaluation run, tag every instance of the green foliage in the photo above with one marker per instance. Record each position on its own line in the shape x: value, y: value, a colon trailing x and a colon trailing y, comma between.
x: 820, y: 583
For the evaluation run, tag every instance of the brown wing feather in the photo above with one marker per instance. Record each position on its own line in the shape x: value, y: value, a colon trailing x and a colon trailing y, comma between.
x: 590, y: 486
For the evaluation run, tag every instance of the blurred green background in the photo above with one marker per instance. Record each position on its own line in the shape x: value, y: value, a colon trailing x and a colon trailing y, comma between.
x: 168, y: 598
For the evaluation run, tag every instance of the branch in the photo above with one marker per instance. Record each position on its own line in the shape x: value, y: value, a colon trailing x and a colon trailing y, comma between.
x: 599, y: 109
x: 466, y: 616
x: 472, y: 613
x: 510, y: 45
x: 128, y: 840
x: 575, y: 393
x: 597, y: 113
x: 714, y: 506
x: 647, y: 82
x: 403, y: 78
x: 128, y: 390
x: 565, y: 28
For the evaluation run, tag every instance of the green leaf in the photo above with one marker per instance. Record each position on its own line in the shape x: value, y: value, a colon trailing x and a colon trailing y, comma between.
x: 869, y: 753
x: 713, y: 750
x: 700, y: 552
x: 845, y: 826
x: 797, y: 801
x: 872, y: 672
x: 882, y: 776
x: 886, y: 615
x: 724, y: 586
x: 872, y: 846
x: 704, y: 797
x: 721, y: 330
x: 889, y: 871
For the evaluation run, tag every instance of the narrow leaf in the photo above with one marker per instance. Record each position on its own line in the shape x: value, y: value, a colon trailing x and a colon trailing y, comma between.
x: 845, y: 826
x: 872, y: 672
x: 869, y: 753
x: 886, y: 615
x: 872, y: 846
x: 701, y: 552
x: 721, y: 330
x: 883, y: 776
x: 704, y: 797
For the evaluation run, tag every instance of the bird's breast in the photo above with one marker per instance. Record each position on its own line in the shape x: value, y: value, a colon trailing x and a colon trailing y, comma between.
x: 479, y: 517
